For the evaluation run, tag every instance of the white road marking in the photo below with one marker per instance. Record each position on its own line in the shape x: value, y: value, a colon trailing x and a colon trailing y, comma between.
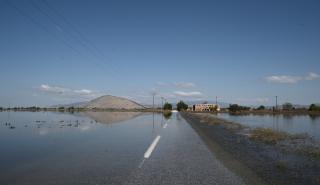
x: 152, y: 147
x: 141, y: 164
x: 165, y: 125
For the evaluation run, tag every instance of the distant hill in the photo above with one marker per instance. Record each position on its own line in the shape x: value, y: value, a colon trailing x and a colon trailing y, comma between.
x: 104, y: 102
x: 112, y: 102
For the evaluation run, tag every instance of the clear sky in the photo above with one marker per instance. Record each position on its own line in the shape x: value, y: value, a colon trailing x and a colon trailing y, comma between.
x: 245, y: 52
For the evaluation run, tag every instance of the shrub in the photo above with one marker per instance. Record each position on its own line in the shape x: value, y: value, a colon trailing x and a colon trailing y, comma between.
x: 314, y: 107
x: 268, y: 135
x: 167, y: 106
x: 236, y: 107
x: 287, y: 106
x: 181, y: 106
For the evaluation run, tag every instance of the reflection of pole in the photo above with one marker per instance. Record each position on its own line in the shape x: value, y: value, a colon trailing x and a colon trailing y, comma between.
x: 161, y: 119
x: 152, y: 121
x: 153, y: 102
x: 162, y: 103
x: 277, y: 122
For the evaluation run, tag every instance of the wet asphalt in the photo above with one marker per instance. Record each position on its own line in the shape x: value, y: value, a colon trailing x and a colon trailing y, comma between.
x: 181, y: 157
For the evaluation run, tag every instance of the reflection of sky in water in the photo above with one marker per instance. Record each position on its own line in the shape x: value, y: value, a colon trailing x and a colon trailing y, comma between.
x: 51, y: 135
x: 292, y: 124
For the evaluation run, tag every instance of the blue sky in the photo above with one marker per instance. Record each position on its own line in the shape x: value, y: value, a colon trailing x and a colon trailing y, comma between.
x: 244, y: 52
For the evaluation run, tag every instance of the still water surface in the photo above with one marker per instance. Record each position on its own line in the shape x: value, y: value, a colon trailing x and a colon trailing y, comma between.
x: 295, y: 124
x: 63, y: 148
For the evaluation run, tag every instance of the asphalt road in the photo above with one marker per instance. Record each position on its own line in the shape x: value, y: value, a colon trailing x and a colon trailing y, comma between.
x: 181, y: 157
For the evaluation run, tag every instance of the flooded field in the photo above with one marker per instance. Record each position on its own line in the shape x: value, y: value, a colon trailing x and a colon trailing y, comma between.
x: 295, y: 124
x: 63, y: 148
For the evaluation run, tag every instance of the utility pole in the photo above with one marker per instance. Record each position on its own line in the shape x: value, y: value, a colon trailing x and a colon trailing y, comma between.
x: 276, y: 102
x: 153, y: 101
x: 217, y: 100
x: 153, y: 94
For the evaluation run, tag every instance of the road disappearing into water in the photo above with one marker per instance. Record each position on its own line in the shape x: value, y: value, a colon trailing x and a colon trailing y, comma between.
x: 106, y: 148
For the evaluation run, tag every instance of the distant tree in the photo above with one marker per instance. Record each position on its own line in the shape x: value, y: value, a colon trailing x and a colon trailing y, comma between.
x: 61, y: 109
x: 261, y: 107
x: 214, y: 108
x: 181, y: 106
x: 287, y: 106
x: 314, y: 107
x: 70, y: 109
x: 236, y: 107
x: 1, y: 109
x: 167, y: 106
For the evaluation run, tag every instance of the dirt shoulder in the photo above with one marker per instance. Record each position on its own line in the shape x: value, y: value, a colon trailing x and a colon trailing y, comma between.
x: 259, y: 156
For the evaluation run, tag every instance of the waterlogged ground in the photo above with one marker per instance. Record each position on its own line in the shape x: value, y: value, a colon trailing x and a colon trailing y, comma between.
x: 47, y: 146
x: 105, y: 148
x: 291, y: 161
x: 294, y: 124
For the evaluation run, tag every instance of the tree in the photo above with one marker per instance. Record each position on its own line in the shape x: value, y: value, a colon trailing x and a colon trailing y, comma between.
x: 287, y: 106
x: 236, y: 107
x: 261, y: 107
x: 167, y: 106
x: 314, y: 107
x: 181, y: 106
x: 213, y: 108
x: 61, y: 109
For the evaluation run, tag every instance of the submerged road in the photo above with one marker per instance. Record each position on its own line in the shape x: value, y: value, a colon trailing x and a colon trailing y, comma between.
x: 181, y: 157
x: 146, y: 149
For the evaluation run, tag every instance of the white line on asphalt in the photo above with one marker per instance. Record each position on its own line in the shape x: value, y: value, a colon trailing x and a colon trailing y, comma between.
x: 142, y: 162
x: 165, y: 125
x: 152, y: 147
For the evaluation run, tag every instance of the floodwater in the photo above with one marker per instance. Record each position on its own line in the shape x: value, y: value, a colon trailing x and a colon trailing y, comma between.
x: 295, y: 124
x: 65, y: 148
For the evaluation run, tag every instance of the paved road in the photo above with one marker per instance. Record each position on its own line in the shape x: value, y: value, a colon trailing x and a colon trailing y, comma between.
x: 181, y: 157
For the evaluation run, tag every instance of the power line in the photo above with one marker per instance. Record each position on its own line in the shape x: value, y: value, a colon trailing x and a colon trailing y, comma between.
x: 59, y: 25
x: 83, y: 39
x: 34, y: 21
x: 48, y: 31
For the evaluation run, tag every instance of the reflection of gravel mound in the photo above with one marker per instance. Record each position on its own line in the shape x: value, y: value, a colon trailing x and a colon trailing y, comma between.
x: 112, y: 117
x: 113, y: 102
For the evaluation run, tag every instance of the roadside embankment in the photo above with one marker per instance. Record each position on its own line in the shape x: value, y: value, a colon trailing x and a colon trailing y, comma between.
x: 275, y: 157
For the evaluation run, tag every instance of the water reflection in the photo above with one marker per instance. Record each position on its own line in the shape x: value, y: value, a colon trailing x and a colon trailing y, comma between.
x: 40, y: 142
x: 295, y: 124
x: 112, y: 117
x: 167, y: 114
x: 314, y: 117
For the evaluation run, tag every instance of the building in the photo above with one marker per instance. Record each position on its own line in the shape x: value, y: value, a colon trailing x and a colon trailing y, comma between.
x: 205, y: 107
